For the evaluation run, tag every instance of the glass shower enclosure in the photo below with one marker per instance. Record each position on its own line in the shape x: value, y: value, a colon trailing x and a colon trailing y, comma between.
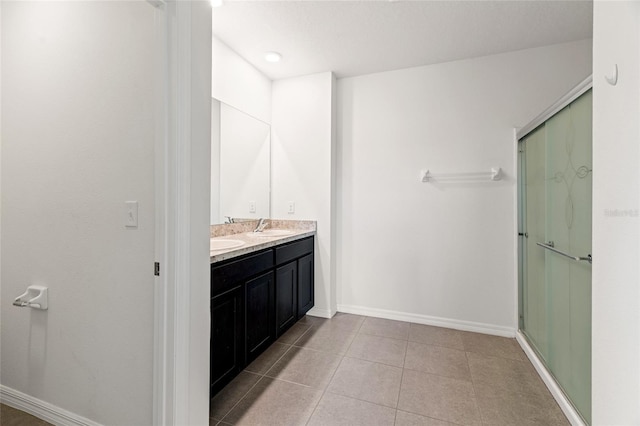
x: 555, y: 182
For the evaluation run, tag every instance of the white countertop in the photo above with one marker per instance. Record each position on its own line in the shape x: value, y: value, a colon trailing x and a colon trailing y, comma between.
x: 254, y: 243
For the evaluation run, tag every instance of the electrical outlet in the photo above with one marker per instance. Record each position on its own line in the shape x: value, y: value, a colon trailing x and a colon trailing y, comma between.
x: 292, y: 207
x: 252, y: 206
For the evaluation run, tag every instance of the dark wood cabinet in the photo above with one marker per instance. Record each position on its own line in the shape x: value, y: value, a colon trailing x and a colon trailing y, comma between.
x: 255, y: 299
x: 259, y: 330
x: 305, y: 284
x: 227, y: 346
x: 286, y: 297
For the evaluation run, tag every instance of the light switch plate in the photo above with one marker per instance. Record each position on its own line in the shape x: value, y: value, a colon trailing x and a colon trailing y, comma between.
x: 131, y: 214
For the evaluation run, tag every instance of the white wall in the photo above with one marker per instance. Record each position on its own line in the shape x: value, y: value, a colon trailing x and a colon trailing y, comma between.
x: 616, y: 238
x: 77, y: 142
x: 237, y: 83
x: 439, y: 253
x: 302, y: 147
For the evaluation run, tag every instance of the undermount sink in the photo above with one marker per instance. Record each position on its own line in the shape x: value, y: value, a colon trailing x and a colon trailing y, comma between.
x: 224, y: 244
x: 272, y: 233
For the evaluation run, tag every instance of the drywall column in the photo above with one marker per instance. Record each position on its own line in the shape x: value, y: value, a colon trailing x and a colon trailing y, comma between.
x: 195, y: 402
x: 78, y: 134
x: 616, y: 217
x: 302, y: 161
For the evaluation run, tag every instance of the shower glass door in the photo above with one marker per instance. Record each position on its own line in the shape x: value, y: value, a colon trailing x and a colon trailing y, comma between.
x: 555, y: 264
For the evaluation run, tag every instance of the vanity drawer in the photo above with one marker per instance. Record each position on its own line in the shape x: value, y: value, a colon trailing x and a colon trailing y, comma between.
x: 225, y: 276
x: 293, y: 250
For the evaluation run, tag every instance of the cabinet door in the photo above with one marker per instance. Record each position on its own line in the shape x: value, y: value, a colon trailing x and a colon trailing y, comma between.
x: 286, y: 297
x: 227, y: 349
x: 305, y: 284
x: 259, y: 329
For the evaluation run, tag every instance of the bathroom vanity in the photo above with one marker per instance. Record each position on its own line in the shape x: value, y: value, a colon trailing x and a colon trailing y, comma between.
x: 258, y: 291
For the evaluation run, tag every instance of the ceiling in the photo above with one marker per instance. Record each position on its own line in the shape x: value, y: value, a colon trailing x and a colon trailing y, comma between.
x: 362, y: 37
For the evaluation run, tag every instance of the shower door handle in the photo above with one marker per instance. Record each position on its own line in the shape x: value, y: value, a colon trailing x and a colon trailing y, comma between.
x: 586, y: 258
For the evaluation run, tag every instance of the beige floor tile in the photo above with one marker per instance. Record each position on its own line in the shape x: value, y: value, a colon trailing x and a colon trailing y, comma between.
x: 293, y: 334
x: 337, y: 410
x: 334, y: 340
x: 274, y: 402
x: 347, y: 322
x: 520, y: 409
x: 497, y: 376
x: 312, y: 321
x: 10, y: 416
x: 385, y: 328
x: 267, y: 358
x: 439, y: 397
x: 229, y: 396
x: 497, y: 346
x: 367, y: 381
x: 306, y: 367
x: 436, y: 336
x: 378, y: 349
x: 409, y: 419
x: 437, y: 360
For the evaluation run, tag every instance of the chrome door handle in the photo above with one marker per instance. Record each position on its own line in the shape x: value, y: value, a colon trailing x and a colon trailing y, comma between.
x: 550, y: 246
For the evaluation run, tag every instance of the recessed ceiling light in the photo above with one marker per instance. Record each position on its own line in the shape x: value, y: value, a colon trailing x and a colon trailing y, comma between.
x: 272, y: 57
x: 216, y: 3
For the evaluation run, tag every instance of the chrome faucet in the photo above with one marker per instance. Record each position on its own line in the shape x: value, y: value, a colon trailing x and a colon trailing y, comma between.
x: 261, y: 225
x: 229, y: 219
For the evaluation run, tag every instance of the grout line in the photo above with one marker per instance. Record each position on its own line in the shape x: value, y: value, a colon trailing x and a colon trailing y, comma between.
x: 241, y: 399
x: 262, y: 376
x: 324, y: 391
x: 318, y: 350
x: 440, y: 375
x: 334, y: 373
x: 404, y: 361
x: 363, y: 400
x: 301, y: 336
x: 406, y: 349
x: 364, y: 318
x: 395, y: 418
x: 290, y: 382
x: 374, y: 362
x: 433, y: 418
x: 438, y: 345
x: 277, y: 361
x: 384, y: 337
x: 473, y: 389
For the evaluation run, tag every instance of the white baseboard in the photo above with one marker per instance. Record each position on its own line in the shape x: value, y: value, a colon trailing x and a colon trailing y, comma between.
x: 41, y: 409
x: 476, y: 327
x: 567, y: 408
x: 322, y: 313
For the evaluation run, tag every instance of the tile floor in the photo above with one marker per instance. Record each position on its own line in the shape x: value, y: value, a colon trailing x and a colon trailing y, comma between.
x: 354, y: 370
x: 9, y: 416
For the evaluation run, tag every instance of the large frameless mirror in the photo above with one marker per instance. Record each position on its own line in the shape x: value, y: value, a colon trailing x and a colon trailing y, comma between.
x: 240, y: 165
